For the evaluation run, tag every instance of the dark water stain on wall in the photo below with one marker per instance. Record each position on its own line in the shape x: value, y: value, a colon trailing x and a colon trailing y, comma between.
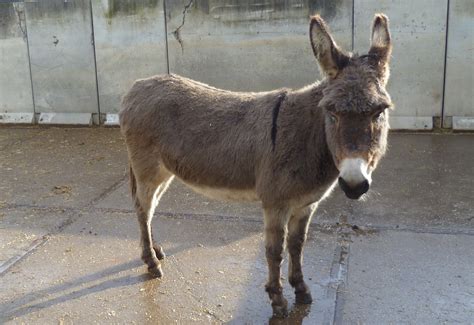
x: 327, y: 8
x: 57, y: 8
x: 11, y: 21
x: 241, y: 8
x: 128, y: 7
x: 463, y: 8
x: 7, y: 21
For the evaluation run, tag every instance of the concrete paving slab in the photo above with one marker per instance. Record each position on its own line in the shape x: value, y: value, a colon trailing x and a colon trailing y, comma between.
x: 410, y: 278
x: 17, y: 118
x: 60, y: 118
x: 463, y: 123
x: 61, y: 167
x: 215, y: 272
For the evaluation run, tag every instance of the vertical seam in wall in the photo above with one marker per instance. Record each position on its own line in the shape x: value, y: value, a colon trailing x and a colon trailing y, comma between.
x: 166, y: 38
x: 29, y: 65
x: 445, y: 64
x: 353, y: 24
x: 95, y: 61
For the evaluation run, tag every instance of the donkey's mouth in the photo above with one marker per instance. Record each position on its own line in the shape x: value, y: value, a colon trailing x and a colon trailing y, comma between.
x: 356, y: 192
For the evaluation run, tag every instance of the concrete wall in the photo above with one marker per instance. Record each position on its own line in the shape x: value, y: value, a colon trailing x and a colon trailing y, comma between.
x: 62, y: 57
x: 16, y: 99
x: 459, y: 93
x: 130, y: 43
x: 419, y: 32
x: 251, y: 45
x: 84, y: 54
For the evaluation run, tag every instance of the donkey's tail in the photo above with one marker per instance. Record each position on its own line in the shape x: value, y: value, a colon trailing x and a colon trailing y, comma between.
x: 133, y: 182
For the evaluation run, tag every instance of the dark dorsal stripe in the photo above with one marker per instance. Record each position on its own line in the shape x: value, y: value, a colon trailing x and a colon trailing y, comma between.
x: 276, y: 111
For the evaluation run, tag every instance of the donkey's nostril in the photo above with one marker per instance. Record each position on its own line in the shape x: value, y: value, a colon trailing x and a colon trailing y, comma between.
x: 354, y: 192
x: 364, y: 186
x: 343, y: 184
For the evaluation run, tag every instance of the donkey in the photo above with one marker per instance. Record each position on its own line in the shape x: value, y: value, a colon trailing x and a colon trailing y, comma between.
x: 285, y: 148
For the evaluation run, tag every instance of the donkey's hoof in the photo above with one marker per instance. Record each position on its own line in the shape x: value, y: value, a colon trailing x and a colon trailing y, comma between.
x: 280, y: 311
x: 303, y: 298
x: 160, y: 253
x: 155, y: 271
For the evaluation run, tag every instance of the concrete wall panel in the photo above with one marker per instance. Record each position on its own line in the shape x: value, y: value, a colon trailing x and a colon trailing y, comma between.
x: 15, y: 83
x: 62, y: 56
x: 459, y: 92
x: 130, y: 44
x: 250, y: 45
x: 418, y: 33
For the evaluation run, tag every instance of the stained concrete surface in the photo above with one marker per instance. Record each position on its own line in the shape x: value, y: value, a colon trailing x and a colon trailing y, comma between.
x: 70, y: 245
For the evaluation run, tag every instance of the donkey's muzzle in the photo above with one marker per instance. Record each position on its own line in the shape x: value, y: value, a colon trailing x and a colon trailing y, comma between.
x: 354, y: 192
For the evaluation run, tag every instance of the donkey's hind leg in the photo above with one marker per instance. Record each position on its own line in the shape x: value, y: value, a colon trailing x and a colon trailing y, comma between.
x: 150, y: 187
x: 160, y: 254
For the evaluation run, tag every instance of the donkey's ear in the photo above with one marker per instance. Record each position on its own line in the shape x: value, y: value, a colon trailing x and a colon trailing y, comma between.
x: 381, y: 47
x: 330, y: 57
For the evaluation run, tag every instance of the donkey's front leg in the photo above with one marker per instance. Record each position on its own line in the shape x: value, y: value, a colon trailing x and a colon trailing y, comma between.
x: 297, y: 229
x: 275, y: 230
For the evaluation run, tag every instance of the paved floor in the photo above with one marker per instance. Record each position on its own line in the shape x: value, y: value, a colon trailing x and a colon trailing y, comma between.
x: 69, y: 250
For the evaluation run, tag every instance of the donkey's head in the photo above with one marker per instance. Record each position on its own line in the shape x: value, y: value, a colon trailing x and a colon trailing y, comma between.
x: 355, y: 103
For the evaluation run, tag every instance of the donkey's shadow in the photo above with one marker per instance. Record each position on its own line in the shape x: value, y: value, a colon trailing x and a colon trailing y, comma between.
x: 34, y: 300
x: 105, y: 279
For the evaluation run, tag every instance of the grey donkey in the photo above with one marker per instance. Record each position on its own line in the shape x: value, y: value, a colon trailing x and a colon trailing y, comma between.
x: 285, y: 148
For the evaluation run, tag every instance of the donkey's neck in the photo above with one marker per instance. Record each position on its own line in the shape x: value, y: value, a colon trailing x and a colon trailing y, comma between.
x: 318, y: 165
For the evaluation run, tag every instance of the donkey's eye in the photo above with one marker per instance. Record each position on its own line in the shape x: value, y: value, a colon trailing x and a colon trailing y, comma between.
x: 377, y: 116
x: 332, y: 118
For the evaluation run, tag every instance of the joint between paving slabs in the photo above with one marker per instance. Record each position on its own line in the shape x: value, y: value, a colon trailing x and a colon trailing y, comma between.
x: 340, y: 267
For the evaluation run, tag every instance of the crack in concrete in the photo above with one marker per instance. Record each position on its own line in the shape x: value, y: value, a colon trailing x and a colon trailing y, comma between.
x: 323, y: 227
x: 109, y: 190
x: 340, y: 267
x: 338, y: 274
x: 76, y: 213
x: 12, y: 261
x: 177, y: 31
x: 19, y: 12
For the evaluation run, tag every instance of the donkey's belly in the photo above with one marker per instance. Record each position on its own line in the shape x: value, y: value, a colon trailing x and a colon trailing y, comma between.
x: 225, y: 193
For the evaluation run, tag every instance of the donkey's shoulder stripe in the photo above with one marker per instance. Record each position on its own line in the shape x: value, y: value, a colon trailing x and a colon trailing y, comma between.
x: 276, y: 111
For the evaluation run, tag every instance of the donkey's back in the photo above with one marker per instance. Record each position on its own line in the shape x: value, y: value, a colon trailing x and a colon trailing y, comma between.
x: 206, y: 136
